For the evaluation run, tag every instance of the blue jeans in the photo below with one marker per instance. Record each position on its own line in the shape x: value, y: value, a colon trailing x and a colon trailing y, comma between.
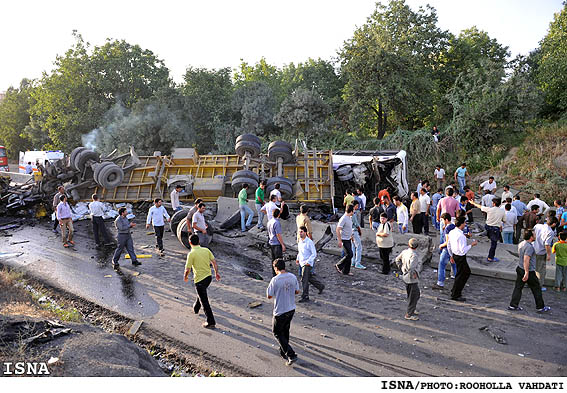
x: 444, y: 259
x: 375, y: 226
x: 508, y: 237
x: 260, y: 215
x: 400, y: 228
x: 356, y: 248
x: 244, y: 210
x: 434, y: 222
x: 462, y: 183
x: 560, y: 275
x: 493, y: 234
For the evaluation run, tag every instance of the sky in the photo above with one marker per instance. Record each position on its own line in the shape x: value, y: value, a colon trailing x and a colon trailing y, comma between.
x: 221, y: 33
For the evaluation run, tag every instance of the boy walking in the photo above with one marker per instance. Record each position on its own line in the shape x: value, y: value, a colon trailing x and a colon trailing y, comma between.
x: 283, y: 288
x: 410, y: 265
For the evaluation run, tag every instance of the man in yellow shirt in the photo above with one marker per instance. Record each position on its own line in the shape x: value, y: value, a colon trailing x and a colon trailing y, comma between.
x: 200, y: 259
x: 303, y: 220
x: 349, y: 198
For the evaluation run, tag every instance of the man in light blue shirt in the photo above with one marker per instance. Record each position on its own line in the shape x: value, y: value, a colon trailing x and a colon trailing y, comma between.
x: 521, y: 208
x: 156, y: 215
x: 435, y: 198
x: 306, y: 259
x: 460, y: 176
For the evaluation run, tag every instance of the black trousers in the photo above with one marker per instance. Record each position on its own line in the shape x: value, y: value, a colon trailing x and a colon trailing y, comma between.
x: 344, y: 263
x: 385, y: 256
x: 98, y: 225
x: 277, y: 252
x: 309, y: 278
x: 413, y: 296
x: 518, y: 232
x: 280, y: 327
x: 56, y: 222
x: 462, y: 276
x: 203, y: 299
x: 417, y: 223
x: 533, y: 284
x: 425, y: 223
x: 494, y: 235
x: 158, y: 229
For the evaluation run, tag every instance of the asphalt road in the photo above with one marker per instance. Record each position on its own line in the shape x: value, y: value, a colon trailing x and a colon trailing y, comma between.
x: 355, y: 328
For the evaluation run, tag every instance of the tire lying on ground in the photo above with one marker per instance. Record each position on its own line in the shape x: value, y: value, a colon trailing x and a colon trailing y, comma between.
x: 286, y: 186
x: 232, y: 221
x: 280, y: 149
x: 248, y: 143
x: 73, y: 155
x: 110, y: 176
x: 98, y: 168
x: 84, y: 156
x: 176, y: 219
x: 183, y: 234
x: 239, y: 178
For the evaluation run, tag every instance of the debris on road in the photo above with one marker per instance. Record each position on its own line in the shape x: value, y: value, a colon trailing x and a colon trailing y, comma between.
x: 254, y: 304
x: 497, y: 337
x: 134, y: 328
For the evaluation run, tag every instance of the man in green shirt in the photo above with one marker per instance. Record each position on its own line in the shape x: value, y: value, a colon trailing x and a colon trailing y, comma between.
x: 200, y: 259
x: 244, y: 209
x: 259, y: 203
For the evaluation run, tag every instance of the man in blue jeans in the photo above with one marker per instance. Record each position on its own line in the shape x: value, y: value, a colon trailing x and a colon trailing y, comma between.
x: 444, y: 258
x: 494, y: 219
x: 461, y: 177
x: 244, y: 209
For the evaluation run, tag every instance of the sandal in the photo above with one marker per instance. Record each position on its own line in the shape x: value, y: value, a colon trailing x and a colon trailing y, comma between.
x: 411, y: 317
x: 66, y: 245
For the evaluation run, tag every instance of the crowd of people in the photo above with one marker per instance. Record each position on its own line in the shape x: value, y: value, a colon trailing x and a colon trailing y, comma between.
x: 448, y: 210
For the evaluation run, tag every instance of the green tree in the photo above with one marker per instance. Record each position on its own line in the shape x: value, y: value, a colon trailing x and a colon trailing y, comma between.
x: 551, y: 70
x: 388, y: 67
x: 210, y: 95
x: 254, y: 105
x: 14, y: 118
x: 304, y: 113
x: 74, y: 97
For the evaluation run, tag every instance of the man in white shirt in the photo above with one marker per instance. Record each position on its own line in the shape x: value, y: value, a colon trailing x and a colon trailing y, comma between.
x: 402, y: 214
x: 269, y: 207
x: 495, y: 217
x: 276, y: 191
x: 155, y: 217
x: 439, y: 176
x: 458, y: 248
x: 425, y: 202
x: 487, y: 199
x: 306, y: 255
x: 507, y: 193
x: 489, y: 185
x: 199, y: 225
x: 175, y: 205
x: 543, y: 242
x: 544, y: 207
x: 97, y: 211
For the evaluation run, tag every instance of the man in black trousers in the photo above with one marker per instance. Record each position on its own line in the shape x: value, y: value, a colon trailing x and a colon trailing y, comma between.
x: 458, y: 248
x: 344, y: 234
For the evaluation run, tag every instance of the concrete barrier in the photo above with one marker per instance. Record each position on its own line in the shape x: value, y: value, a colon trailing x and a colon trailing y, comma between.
x: 227, y: 206
x: 19, y: 178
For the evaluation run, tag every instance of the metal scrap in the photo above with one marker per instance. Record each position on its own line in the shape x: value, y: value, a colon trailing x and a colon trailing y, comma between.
x: 492, y: 333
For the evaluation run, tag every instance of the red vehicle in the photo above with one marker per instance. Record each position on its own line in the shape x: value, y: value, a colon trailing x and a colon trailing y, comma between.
x: 3, y: 160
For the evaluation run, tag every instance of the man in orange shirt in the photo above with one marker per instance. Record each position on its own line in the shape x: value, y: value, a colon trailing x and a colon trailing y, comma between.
x: 469, y: 193
x: 382, y: 193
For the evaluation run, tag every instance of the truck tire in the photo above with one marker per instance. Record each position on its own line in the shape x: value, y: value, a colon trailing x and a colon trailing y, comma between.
x: 246, y: 146
x: 82, y: 158
x: 73, y: 155
x: 98, y: 168
x: 286, y: 186
x: 183, y: 234
x: 344, y: 170
x: 111, y: 176
x: 239, y: 178
x: 281, y: 149
x: 176, y: 219
x: 249, y: 138
x: 346, y: 177
x: 232, y: 221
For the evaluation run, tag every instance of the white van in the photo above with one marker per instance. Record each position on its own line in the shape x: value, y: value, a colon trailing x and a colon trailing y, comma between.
x: 38, y: 155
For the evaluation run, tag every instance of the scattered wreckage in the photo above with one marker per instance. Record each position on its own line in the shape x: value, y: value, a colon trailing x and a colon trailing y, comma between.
x: 316, y: 177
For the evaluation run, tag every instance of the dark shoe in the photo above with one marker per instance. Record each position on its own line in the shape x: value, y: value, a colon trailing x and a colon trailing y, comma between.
x: 303, y: 300
x: 196, y: 308
x: 207, y: 325
x: 435, y: 286
x: 291, y: 360
x: 136, y: 263
x: 115, y: 266
x: 321, y: 289
x: 543, y: 310
x: 459, y: 299
x: 512, y: 308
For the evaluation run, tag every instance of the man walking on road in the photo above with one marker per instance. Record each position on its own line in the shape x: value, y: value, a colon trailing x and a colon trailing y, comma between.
x: 199, y: 225
x: 155, y: 216
x: 303, y: 220
x: 65, y: 221
x: 200, y: 259
x: 344, y: 234
x: 124, y: 238
x: 495, y: 217
x: 526, y: 274
x: 260, y: 201
x: 306, y: 259
x: 97, y: 211
x: 277, y: 246
x: 543, y: 234
x: 283, y: 288
x: 385, y: 242
x: 244, y: 209
x: 458, y: 248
